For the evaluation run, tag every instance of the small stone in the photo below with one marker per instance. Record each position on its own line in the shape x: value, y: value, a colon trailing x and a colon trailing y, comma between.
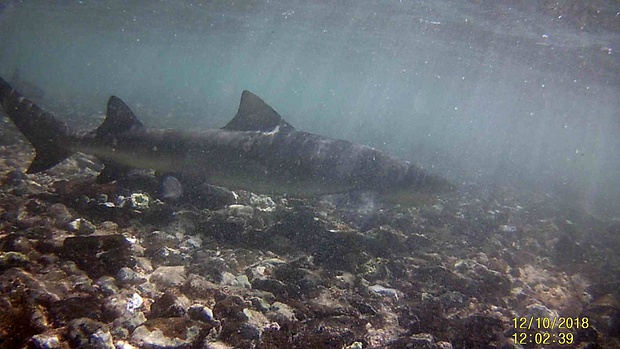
x: 241, y: 211
x: 107, y: 284
x: 254, y: 326
x: 130, y: 321
x: 60, y: 214
x: 89, y: 334
x: 108, y: 228
x: 134, y: 303
x: 43, y: 341
x: 126, y: 276
x: 201, y: 313
x: 165, y: 277
x: 170, y: 305
x: 65, y: 310
x: 140, y: 201
x: 281, y: 313
x: 355, y: 345
x: 99, y: 255
x: 384, y: 291
x: 167, y: 333
x: 13, y: 259
x: 121, y: 304
x: 81, y: 226
x: 144, y: 264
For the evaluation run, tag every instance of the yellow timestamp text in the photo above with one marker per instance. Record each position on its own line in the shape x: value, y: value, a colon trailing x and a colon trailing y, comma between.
x: 550, y: 323
x: 543, y: 338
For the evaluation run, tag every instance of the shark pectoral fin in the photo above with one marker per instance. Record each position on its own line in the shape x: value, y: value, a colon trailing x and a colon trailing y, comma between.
x: 112, y: 171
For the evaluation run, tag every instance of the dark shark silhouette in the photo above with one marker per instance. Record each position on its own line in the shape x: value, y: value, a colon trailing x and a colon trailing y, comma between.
x: 256, y: 151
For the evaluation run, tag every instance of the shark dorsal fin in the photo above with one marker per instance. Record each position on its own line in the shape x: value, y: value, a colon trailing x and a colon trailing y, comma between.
x: 119, y: 119
x: 255, y: 115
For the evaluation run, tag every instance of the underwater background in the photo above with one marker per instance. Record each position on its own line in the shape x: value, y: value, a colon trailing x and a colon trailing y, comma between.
x: 506, y: 92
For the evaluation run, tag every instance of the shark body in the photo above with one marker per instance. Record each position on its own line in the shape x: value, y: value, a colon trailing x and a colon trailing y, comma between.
x: 256, y: 151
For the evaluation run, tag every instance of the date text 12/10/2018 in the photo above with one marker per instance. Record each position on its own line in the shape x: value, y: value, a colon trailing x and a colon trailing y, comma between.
x: 536, y: 326
x: 550, y: 323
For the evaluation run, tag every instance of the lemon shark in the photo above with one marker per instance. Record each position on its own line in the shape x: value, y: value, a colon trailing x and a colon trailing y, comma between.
x: 257, y: 151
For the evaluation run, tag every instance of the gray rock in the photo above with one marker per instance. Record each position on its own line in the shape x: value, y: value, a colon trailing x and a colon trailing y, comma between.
x: 81, y: 226
x: 254, y: 325
x: 281, y: 313
x: 107, y: 285
x: 99, y: 255
x: 415, y: 341
x: 199, y: 312
x: 121, y: 304
x: 60, y: 214
x: 126, y: 276
x: 166, y: 335
x: 130, y: 321
x: 170, y: 305
x: 384, y: 291
x: 166, y: 277
x: 13, y: 259
x: 44, y: 341
x: 65, y: 310
x: 89, y: 334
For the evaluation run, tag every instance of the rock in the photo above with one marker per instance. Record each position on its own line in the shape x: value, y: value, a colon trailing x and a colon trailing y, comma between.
x: 99, y: 255
x: 107, y: 285
x: 477, y: 280
x: 276, y: 287
x: 281, y: 313
x: 144, y: 264
x: 60, y: 214
x: 126, y: 276
x: 139, y: 201
x: 166, y: 277
x: 199, y: 312
x: 121, y: 304
x: 13, y: 259
x: 476, y: 331
x: 384, y: 291
x: 81, y: 226
x: 173, y: 333
x: 254, y: 324
x: 170, y: 305
x: 416, y: 341
x: 45, y: 341
x: 198, y: 287
x: 89, y: 334
x: 241, y: 211
x: 65, y: 310
x: 130, y: 321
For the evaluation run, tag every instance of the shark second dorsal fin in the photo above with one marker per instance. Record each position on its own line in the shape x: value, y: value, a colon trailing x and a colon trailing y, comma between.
x: 119, y: 119
x: 256, y: 115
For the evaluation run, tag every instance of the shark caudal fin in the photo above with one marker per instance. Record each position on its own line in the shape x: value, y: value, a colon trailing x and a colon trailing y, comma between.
x: 50, y: 137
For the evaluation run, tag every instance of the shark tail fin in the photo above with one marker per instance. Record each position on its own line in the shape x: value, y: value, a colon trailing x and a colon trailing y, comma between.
x: 50, y: 137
